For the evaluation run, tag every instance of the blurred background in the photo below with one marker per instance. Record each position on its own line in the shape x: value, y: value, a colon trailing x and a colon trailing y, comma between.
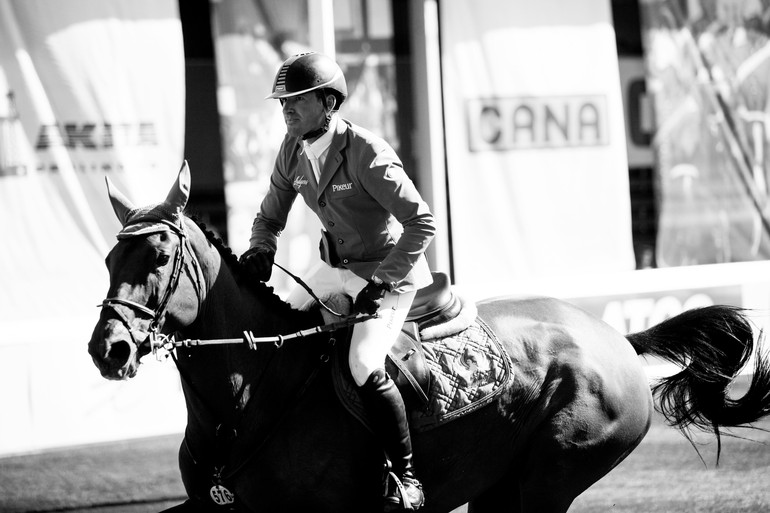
x: 613, y: 153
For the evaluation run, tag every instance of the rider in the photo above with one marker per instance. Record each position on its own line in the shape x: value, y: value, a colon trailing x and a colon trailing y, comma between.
x: 376, y: 230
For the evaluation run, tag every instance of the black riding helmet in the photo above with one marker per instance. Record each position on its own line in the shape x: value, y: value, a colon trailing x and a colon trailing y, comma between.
x: 307, y: 72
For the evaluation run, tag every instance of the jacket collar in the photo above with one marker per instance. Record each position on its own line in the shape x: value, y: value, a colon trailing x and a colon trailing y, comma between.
x: 334, y: 158
x: 320, y: 145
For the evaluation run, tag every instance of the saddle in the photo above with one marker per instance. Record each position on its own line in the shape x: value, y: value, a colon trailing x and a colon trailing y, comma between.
x: 433, y: 305
x: 446, y: 361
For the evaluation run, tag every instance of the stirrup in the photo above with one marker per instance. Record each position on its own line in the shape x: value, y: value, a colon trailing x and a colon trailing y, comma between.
x: 397, y: 497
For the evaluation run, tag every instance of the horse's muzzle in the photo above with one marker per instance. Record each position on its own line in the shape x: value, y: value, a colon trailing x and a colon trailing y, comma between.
x: 113, y: 350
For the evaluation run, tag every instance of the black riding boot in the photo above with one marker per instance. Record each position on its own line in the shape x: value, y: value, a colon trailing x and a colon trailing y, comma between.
x: 385, y: 407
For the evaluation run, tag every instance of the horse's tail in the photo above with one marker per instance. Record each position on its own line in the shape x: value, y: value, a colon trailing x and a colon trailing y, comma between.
x: 712, y: 345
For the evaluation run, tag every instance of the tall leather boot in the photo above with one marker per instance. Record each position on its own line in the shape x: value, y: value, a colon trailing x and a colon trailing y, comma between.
x: 385, y: 407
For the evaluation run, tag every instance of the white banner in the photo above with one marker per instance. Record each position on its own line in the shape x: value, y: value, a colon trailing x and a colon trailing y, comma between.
x: 88, y: 88
x: 536, y: 151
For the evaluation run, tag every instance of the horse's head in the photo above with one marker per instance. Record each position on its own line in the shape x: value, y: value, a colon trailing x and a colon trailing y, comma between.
x: 156, y: 282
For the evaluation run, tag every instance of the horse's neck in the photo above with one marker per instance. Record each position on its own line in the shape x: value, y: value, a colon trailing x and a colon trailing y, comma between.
x: 231, y: 375
x: 232, y: 306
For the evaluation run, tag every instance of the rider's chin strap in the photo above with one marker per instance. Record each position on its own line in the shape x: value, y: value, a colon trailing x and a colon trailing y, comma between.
x: 318, y: 132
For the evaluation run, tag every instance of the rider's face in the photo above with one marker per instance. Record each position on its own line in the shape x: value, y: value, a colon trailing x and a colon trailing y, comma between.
x: 302, y: 113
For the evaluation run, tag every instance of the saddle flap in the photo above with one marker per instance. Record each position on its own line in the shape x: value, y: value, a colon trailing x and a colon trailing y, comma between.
x: 405, y: 363
x: 411, y: 372
x: 460, y: 374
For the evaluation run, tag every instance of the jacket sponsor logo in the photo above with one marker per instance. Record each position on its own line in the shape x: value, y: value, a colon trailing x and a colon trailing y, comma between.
x: 342, y: 187
x: 299, y: 182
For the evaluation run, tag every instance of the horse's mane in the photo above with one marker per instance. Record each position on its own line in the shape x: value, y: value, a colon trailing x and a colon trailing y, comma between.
x: 239, y: 272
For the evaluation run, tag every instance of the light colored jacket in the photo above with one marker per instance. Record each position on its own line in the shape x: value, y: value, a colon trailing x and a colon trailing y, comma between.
x: 377, y: 223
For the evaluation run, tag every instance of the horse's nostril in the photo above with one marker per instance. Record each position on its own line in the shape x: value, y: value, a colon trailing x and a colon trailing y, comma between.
x: 119, y: 352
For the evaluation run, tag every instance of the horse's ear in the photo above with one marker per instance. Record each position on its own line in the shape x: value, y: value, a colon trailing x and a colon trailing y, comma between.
x: 120, y: 204
x: 180, y: 192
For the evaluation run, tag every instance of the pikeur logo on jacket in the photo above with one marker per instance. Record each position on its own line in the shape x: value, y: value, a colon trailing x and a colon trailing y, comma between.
x: 342, y: 187
x: 377, y: 222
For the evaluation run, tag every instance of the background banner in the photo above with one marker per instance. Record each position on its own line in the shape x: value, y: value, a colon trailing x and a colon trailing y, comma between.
x: 88, y: 88
x: 708, y: 68
x: 536, y: 151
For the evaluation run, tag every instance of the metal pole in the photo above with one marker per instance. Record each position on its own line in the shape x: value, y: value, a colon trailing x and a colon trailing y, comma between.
x: 321, y: 26
x: 429, y: 144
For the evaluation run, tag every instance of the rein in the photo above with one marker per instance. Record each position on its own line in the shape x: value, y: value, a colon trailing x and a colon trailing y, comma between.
x: 305, y: 286
x: 168, y: 342
x: 157, y: 340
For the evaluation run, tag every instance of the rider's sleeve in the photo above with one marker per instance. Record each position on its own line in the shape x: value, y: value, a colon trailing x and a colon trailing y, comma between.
x: 390, y: 186
x: 275, y: 207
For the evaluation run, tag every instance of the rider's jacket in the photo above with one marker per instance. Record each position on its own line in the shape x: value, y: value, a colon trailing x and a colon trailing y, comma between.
x: 375, y: 222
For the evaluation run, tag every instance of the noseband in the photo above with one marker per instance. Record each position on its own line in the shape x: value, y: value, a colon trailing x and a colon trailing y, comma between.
x: 157, y: 314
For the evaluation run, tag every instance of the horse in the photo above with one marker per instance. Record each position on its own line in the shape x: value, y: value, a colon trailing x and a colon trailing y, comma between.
x: 266, y: 431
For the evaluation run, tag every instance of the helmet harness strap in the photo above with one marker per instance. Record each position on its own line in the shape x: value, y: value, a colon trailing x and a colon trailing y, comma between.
x: 318, y: 132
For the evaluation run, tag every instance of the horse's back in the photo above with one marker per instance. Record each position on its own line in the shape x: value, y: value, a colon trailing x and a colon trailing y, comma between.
x: 544, y: 331
x: 548, y: 338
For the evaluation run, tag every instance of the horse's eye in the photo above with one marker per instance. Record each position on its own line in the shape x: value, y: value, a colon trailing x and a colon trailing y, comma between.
x: 163, y: 259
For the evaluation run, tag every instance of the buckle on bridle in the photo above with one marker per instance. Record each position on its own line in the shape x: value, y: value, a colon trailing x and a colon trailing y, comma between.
x: 159, y: 341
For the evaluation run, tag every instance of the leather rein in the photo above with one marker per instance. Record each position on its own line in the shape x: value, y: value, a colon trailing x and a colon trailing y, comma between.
x: 158, y: 340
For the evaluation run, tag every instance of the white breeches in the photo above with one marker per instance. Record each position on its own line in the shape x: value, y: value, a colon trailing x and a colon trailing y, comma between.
x: 371, y: 339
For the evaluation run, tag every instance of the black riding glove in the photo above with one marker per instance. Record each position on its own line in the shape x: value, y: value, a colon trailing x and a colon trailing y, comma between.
x: 258, y: 262
x: 369, y: 300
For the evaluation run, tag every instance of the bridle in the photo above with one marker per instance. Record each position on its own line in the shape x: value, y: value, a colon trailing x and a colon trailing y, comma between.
x: 156, y: 315
x: 157, y: 340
